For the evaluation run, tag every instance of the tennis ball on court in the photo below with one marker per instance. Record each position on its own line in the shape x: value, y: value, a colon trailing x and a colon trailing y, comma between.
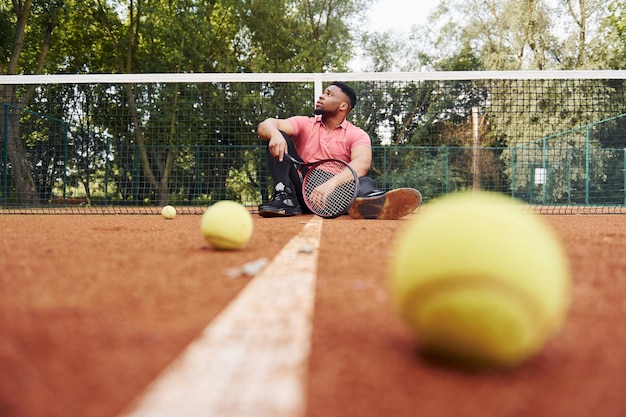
x: 481, y: 280
x: 227, y: 225
x: 169, y: 212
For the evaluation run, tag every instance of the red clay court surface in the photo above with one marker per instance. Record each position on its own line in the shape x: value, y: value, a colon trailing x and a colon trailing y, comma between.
x: 93, y: 308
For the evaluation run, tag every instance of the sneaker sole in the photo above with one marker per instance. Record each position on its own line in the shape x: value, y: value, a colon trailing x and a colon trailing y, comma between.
x: 278, y: 213
x: 392, y: 205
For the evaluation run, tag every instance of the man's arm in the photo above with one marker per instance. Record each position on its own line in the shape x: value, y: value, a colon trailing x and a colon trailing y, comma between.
x: 269, y: 130
x: 361, y: 159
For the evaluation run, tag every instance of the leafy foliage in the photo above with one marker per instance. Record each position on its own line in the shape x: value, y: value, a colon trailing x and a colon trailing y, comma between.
x: 155, y: 134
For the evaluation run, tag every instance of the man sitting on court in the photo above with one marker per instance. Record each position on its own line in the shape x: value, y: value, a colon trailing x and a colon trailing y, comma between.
x: 327, y: 135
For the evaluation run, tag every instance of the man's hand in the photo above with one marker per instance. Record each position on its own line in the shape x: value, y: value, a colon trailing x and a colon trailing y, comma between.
x: 270, y: 130
x: 320, y: 195
x: 277, y: 146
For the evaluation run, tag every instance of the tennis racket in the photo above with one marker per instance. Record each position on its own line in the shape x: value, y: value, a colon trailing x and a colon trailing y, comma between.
x: 329, y: 186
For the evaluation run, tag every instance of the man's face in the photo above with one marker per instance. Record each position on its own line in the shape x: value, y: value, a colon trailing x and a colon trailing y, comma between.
x: 332, y: 101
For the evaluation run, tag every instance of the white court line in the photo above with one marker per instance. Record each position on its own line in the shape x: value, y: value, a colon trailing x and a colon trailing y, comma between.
x: 252, y: 359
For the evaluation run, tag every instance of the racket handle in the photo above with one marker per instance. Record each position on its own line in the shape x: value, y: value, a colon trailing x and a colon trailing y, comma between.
x: 292, y: 159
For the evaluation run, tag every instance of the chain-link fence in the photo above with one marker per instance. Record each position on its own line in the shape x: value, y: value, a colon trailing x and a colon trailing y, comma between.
x: 554, y: 140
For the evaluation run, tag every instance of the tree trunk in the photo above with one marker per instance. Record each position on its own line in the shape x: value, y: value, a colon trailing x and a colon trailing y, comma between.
x: 20, y: 165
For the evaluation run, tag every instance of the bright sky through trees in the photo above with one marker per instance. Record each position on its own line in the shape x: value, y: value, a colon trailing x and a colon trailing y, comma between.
x: 400, y: 15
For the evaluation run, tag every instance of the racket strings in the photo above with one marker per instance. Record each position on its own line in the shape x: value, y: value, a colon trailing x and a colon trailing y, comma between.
x: 330, y: 188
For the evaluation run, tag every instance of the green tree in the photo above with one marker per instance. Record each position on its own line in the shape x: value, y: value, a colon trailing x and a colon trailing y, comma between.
x: 163, y: 36
x: 381, y: 51
x: 299, y: 35
x: 26, y: 53
x: 511, y: 35
x: 615, y: 31
x: 585, y: 45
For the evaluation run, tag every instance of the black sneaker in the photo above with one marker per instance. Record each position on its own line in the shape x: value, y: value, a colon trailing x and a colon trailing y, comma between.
x: 283, y: 204
x: 392, y: 205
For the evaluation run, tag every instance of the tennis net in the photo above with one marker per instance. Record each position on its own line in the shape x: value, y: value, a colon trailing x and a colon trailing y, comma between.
x: 116, y: 143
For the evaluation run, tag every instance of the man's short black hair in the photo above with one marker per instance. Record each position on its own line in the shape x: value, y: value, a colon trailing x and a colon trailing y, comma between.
x: 347, y: 90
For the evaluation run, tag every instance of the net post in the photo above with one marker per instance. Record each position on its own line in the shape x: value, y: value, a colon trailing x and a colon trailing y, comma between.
x: 107, y: 163
x: 65, y: 161
x: 447, y: 169
x: 587, y: 165
x: 513, y: 171
x: 317, y: 88
x: 385, y: 168
x: 5, y: 153
x: 137, y: 173
x: 569, y: 176
x: 544, y: 165
x: 475, y: 150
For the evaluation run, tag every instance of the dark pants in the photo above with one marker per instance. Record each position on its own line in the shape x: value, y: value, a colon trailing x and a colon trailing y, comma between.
x: 287, y: 173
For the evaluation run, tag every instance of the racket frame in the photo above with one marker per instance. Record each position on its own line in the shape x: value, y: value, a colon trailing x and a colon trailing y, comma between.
x: 311, y: 166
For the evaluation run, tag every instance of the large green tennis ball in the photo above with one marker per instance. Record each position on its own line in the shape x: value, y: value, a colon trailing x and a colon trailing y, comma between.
x: 227, y: 225
x: 481, y: 280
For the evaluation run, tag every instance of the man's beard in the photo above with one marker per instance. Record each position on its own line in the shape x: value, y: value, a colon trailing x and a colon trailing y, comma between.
x: 319, y: 111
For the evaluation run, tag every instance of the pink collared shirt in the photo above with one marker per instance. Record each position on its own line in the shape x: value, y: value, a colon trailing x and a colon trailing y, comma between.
x: 313, y: 142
